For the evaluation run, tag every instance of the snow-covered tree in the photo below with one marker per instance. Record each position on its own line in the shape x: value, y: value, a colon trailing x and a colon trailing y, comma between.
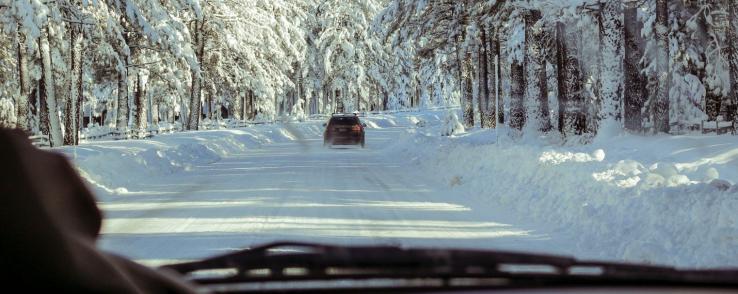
x: 587, y: 66
x: 610, y: 22
x: 634, y: 81
x: 348, y: 58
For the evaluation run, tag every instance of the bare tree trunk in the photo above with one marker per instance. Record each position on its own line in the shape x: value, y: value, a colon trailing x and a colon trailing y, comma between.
x: 218, y: 109
x: 561, y: 60
x: 660, y: 107
x: 71, y: 117
x: 244, y: 113
x: 337, y: 101
x: 80, y: 86
x: 195, y: 91
x: 140, y: 103
x: 23, y: 122
x: 300, y: 95
x: 539, y: 60
x: 460, y: 70
x: 732, y: 59
x: 571, y: 111
x: 209, y: 103
x: 484, y: 99
x: 358, y: 102
x: 246, y: 109
x: 385, y: 100
x: 323, y: 99
x: 517, y: 95
x: 43, y: 111
x: 323, y: 107
x: 705, y: 27
x: 498, y: 109
x: 544, y: 111
x: 252, y: 108
x: 171, y: 115
x: 214, y: 106
x: 468, y: 115
x: 492, y: 102
x: 155, y: 113
x: 71, y: 98
x: 478, y: 98
x: 314, y: 102
x: 517, y: 89
x: 122, y: 115
x: 611, y: 43
x: 634, y: 81
x: 531, y: 64
x: 55, y: 133
x: 33, y: 103
x: 237, y: 107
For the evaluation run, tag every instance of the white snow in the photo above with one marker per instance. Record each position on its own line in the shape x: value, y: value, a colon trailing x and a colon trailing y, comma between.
x: 7, y: 113
x: 664, y: 200
x: 115, y: 165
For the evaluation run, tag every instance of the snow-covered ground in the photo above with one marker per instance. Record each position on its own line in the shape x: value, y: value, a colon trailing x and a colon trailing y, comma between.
x: 666, y: 200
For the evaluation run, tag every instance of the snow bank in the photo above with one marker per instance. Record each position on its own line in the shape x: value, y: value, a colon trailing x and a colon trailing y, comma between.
x: 408, y: 119
x: 7, y: 113
x: 667, y: 200
x: 115, y: 165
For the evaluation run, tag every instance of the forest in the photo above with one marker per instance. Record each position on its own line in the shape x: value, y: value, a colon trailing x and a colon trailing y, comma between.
x: 572, y: 68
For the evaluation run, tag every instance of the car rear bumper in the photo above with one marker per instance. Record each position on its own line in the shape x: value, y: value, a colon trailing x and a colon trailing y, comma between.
x: 344, y: 140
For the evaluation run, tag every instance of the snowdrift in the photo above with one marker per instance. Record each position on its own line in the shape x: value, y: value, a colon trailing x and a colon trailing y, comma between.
x: 667, y: 200
x: 114, y: 165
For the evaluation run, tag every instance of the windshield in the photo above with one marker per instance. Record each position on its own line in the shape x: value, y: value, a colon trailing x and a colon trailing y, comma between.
x: 344, y: 121
x: 596, y: 129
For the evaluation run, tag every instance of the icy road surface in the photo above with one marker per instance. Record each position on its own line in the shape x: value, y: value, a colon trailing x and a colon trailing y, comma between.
x: 300, y: 191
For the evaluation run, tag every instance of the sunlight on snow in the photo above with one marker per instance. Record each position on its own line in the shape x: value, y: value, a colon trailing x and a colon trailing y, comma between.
x: 727, y: 157
x: 314, y: 226
x: 556, y: 157
x: 265, y: 202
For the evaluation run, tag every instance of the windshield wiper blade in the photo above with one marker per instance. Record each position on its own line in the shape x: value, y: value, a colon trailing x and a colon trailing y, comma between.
x: 296, y: 261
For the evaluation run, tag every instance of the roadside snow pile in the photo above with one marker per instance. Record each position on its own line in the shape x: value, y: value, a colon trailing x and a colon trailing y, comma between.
x: 115, y: 165
x: 452, y: 125
x: 403, y: 119
x: 670, y: 199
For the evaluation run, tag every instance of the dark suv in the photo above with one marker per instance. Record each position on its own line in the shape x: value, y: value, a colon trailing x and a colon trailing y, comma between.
x: 344, y: 129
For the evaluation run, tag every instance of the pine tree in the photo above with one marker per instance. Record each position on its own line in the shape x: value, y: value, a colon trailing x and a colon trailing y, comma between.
x: 732, y: 56
x: 71, y: 117
x: 536, y: 105
x: 484, y: 97
x: 497, y: 110
x: 50, y: 103
x: 193, y: 123
x: 660, y: 103
x: 517, y: 73
x: 23, y: 119
x: 612, y: 46
x: 634, y: 80
x: 571, y: 110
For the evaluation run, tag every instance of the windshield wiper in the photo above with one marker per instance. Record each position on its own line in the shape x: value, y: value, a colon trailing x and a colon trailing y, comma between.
x: 374, y: 267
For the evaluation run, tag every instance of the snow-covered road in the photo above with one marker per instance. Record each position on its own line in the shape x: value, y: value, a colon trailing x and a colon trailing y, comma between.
x: 188, y: 195
x: 298, y: 190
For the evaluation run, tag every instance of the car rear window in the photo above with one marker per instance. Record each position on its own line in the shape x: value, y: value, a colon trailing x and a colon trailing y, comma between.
x: 344, y: 121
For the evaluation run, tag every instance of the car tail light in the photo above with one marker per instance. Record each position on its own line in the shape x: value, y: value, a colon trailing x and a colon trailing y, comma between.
x: 356, y: 128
